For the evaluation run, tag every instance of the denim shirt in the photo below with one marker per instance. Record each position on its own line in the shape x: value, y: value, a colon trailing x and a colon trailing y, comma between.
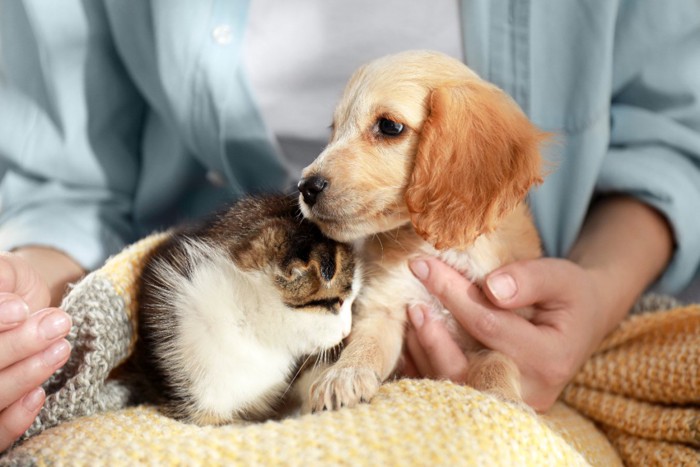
x: 121, y: 117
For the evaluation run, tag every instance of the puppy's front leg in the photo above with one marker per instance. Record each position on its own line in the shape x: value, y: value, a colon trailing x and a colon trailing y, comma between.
x: 494, y: 373
x: 368, y: 359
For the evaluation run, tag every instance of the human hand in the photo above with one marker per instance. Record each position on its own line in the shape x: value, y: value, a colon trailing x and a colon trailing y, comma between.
x: 32, y: 345
x: 568, y: 323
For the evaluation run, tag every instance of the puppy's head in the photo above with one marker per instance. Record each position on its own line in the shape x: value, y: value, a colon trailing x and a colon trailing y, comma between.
x: 418, y: 137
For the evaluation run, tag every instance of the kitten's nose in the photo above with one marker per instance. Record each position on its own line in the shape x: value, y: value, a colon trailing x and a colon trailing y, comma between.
x: 311, y: 187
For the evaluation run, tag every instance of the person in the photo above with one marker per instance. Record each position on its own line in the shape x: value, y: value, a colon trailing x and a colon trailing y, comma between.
x: 121, y: 118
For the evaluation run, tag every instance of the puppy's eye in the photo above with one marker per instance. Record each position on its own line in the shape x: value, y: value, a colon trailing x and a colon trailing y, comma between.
x: 389, y: 127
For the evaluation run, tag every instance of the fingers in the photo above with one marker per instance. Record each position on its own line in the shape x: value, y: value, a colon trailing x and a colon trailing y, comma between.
x: 31, y: 352
x: 18, y: 417
x: 495, y: 328
x: 32, y: 347
x: 434, y: 351
x: 408, y: 367
x: 525, y: 283
x: 34, y: 335
x: 31, y: 372
x: 416, y: 364
x: 18, y: 277
x: 13, y: 311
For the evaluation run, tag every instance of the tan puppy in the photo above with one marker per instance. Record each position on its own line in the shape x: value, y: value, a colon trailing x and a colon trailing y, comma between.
x: 425, y: 158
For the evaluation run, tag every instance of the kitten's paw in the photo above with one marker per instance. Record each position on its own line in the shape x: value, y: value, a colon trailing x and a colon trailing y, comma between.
x: 342, y: 387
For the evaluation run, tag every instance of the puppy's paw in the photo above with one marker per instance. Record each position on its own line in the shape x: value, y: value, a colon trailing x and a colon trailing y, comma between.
x: 342, y: 387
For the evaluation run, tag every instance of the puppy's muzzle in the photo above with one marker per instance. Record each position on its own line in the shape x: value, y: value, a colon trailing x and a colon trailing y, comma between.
x: 311, y: 188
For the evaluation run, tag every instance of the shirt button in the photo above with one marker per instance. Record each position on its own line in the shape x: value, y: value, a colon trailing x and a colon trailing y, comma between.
x: 222, y: 34
x: 216, y: 178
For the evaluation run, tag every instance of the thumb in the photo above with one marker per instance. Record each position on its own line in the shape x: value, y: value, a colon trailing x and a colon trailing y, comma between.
x: 19, y: 278
x: 531, y: 282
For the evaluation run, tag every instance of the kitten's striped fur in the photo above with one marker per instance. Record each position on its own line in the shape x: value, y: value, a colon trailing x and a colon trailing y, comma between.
x: 230, y: 311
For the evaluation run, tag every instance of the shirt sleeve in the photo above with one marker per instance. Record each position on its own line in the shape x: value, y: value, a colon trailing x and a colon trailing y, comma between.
x: 654, y: 150
x: 69, y: 131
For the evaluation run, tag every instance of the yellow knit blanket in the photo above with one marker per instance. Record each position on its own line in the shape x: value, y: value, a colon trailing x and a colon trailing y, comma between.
x: 642, y: 389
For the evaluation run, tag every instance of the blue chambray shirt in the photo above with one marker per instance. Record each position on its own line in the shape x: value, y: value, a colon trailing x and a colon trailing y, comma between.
x: 112, y: 113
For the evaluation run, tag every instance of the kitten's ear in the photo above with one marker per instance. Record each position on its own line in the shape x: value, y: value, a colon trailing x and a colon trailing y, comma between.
x: 261, y: 249
x: 324, y: 260
x: 321, y: 263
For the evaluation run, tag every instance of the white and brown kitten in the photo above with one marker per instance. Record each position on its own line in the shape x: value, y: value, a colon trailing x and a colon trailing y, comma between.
x: 230, y: 312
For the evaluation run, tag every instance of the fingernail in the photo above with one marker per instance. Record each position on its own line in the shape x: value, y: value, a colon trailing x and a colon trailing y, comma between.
x: 34, y: 400
x: 55, y: 324
x: 415, y: 314
x: 13, y: 311
x: 57, y: 353
x: 502, y: 286
x: 420, y: 269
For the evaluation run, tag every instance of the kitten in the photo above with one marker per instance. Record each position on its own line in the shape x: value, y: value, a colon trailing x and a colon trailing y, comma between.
x: 229, y: 312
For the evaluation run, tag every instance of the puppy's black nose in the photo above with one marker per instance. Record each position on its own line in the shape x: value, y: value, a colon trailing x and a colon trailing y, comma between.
x: 311, y: 187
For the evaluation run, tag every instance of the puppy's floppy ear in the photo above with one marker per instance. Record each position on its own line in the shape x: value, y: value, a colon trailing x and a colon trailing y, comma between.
x: 477, y: 156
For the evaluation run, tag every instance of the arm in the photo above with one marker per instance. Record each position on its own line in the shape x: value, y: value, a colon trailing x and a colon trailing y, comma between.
x: 70, y: 129
x: 623, y: 247
x: 644, y: 229
x: 69, y: 135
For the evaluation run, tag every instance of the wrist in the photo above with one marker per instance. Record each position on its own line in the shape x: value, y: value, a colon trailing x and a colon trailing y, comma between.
x: 613, y: 301
x: 623, y: 247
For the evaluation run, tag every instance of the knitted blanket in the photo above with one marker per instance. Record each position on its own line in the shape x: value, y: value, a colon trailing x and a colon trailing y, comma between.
x: 642, y: 388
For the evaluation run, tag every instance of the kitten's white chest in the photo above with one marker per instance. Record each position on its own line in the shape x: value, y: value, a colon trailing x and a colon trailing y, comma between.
x: 236, y: 372
x: 227, y: 364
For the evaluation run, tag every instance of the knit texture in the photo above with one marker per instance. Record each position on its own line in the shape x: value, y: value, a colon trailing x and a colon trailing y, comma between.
x: 409, y: 422
x: 646, y: 408
x: 642, y: 386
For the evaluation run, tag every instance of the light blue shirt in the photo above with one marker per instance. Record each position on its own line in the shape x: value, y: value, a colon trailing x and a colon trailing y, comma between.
x: 113, y: 112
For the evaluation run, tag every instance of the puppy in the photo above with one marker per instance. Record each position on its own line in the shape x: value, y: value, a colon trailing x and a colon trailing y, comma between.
x: 425, y: 159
